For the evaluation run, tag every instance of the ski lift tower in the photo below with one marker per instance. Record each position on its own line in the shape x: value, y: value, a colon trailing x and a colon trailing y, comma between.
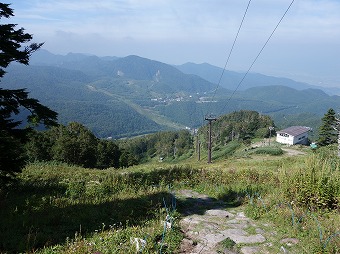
x: 210, y: 118
x: 271, y: 128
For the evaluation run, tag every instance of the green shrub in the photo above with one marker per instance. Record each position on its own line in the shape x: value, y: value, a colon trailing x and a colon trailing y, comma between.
x: 269, y: 150
x: 314, y: 186
x: 225, y: 151
x: 75, y: 189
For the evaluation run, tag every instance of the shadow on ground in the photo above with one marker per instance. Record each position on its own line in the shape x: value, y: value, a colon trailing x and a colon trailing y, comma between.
x: 190, y: 202
x: 29, y: 220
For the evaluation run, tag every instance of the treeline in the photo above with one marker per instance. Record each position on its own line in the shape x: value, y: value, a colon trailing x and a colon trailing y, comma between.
x: 242, y: 125
x: 74, y: 144
x: 163, y: 145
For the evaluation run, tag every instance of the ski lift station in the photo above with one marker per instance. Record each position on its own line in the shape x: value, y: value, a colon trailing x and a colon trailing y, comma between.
x: 293, y: 135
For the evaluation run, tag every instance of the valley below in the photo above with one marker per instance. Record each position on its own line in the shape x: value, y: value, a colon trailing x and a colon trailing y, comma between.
x: 123, y: 97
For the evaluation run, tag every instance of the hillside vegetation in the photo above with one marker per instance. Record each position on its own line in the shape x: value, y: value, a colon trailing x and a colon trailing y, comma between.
x: 55, y: 208
x: 243, y: 125
x: 75, y: 144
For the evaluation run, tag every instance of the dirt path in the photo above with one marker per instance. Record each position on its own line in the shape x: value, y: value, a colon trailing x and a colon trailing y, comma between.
x: 289, y: 151
x: 210, y: 227
x: 292, y: 152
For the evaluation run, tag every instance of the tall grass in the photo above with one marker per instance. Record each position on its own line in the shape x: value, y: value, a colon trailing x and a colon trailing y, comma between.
x: 315, y: 186
x: 52, y: 202
x: 55, y: 208
x: 305, y: 203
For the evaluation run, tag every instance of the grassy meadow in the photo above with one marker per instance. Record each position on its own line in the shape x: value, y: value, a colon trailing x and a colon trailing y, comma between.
x: 56, y: 208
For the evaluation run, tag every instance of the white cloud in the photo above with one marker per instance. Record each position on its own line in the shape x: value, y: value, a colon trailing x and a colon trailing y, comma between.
x: 176, y: 31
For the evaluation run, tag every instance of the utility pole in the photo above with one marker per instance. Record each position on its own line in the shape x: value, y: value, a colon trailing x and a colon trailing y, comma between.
x: 209, y: 119
x: 271, y: 128
x: 199, y: 150
x: 337, y: 128
x: 338, y: 140
x: 198, y: 145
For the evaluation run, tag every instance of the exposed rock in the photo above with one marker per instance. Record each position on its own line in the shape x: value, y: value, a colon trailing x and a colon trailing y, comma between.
x: 290, y: 241
x: 209, y: 228
x: 250, y: 249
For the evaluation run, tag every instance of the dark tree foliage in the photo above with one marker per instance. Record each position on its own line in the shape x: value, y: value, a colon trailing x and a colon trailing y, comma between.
x: 12, y: 157
x: 166, y: 144
x: 127, y: 159
x: 108, y: 154
x: 13, y: 102
x: 11, y: 40
x: 327, y: 130
x: 76, y: 145
x: 183, y: 142
x: 73, y: 144
x: 39, y: 145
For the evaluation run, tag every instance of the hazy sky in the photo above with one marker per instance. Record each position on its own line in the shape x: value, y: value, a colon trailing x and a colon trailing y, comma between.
x: 305, y: 47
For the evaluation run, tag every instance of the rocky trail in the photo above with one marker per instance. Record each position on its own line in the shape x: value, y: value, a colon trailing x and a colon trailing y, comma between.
x: 211, y: 226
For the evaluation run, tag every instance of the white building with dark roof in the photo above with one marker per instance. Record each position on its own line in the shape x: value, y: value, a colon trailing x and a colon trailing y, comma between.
x: 293, y: 135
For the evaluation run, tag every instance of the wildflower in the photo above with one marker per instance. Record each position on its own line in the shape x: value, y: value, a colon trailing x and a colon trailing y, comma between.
x: 140, y: 243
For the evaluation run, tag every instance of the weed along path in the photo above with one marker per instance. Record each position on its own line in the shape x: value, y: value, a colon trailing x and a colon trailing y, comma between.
x: 210, y: 227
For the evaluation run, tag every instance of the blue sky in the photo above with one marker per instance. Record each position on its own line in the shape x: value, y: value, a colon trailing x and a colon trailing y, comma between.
x: 305, y: 47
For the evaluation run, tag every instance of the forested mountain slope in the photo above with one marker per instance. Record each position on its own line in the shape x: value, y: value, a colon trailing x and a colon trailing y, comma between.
x: 128, y: 96
x: 68, y: 92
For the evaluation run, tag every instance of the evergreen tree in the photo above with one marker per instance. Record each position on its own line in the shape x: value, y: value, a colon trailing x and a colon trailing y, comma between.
x: 12, y: 157
x: 327, y: 130
x: 12, y: 102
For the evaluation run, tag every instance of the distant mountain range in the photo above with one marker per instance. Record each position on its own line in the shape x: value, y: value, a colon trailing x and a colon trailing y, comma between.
x: 232, y: 80
x: 120, y: 97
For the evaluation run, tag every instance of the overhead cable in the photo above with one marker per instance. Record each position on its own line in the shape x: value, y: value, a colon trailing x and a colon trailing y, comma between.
x: 265, y: 44
x: 231, y: 50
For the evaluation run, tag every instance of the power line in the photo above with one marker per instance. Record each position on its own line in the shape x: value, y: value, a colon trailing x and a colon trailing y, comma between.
x: 210, y: 119
x: 265, y: 44
x: 231, y: 50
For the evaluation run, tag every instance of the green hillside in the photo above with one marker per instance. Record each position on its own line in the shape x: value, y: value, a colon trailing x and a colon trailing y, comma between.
x: 132, y: 95
x: 70, y: 94
x: 81, y: 194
